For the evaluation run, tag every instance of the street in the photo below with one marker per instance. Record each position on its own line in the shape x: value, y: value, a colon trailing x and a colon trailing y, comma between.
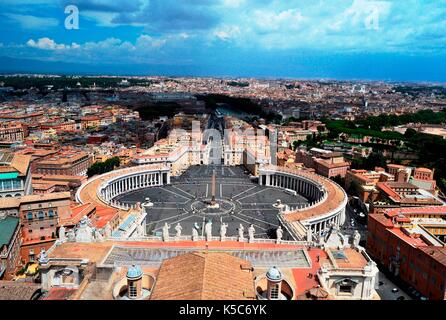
x: 385, y: 289
x: 348, y: 229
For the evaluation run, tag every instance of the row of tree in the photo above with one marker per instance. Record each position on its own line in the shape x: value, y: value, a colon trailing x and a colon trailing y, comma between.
x: 103, y: 167
x: 391, y: 120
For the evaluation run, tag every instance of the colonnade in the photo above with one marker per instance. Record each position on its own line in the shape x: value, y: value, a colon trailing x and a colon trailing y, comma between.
x: 313, y: 191
x: 132, y: 182
x: 301, y: 185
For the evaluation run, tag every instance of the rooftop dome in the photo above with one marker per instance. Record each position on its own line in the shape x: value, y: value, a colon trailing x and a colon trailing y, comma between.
x: 274, y: 274
x: 134, y: 272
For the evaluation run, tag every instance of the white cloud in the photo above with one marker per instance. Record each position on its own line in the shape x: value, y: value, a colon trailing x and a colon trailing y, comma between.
x: 32, y: 22
x: 45, y: 44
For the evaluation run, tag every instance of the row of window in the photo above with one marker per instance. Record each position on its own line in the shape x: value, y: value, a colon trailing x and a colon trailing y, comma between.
x: 41, y: 215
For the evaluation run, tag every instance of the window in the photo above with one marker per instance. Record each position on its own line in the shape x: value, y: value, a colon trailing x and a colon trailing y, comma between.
x: 133, y: 293
x: 50, y: 213
x: 345, y: 288
x: 275, y: 292
x: 41, y: 215
x: 29, y: 215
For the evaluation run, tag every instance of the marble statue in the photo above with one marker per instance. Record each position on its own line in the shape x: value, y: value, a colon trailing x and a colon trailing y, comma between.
x: 62, y: 235
x: 178, y: 229
x: 208, y: 230
x: 309, y: 234
x: 71, y: 236
x: 356, y: 238
x: 43, y: 257
x: 251, y: 232
x: 223, y: 230
x: 84, y: 232
x: 279, y: 234
x: 241, y: 230
x: 166, y: 228
x: 195, y: 233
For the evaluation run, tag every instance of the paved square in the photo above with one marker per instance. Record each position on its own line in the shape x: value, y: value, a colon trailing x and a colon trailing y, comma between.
x: 241, y: 201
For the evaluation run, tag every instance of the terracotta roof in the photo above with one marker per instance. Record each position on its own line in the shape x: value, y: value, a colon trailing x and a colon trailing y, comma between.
x: 437, y: 253
x: 59, y: 294
x: 103, y: 215
x: 204, y: 276
x: 14, y: 290
x: 15, y: 202
x: 21, y: 163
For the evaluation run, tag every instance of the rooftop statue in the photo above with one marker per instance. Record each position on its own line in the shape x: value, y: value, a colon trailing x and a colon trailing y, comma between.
x: 279, y: 234
x: 241, y: 230
x: 208, y: 230
x: 166, y: 228
x: 178, y: 229
x: 251, y: 232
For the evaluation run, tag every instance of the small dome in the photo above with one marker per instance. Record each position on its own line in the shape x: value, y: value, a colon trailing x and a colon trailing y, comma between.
x: 274, y: 274
x: 134, y: 272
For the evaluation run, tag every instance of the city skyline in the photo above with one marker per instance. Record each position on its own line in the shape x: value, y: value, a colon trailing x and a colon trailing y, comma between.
x: 345, y: 40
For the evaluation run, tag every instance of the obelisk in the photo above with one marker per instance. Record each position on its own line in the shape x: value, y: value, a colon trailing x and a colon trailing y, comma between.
x: 213, y: 188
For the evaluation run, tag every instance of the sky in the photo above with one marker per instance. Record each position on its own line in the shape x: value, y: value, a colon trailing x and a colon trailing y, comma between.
x: 394, y: 40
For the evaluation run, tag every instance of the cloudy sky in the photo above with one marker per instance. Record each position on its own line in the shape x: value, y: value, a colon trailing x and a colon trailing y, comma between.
x: 345, y: 39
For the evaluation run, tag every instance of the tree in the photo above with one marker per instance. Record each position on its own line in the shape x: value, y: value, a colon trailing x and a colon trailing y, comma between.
x: 410, y: 133
x: 339, y: 180
x: 375, y: 159
x: 296, y: 144
x: 103, y: 167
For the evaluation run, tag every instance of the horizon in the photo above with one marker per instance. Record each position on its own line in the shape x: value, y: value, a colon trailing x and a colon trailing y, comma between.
x: 363, y: 40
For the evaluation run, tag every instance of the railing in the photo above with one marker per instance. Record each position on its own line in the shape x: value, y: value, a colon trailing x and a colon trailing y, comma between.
x: 173, y: 239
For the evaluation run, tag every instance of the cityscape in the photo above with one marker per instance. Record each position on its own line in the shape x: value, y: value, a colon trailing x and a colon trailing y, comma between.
x: 154, y: 185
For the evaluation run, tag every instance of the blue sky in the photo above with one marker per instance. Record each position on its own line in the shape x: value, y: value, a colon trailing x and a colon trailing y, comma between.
x: 345, y: 39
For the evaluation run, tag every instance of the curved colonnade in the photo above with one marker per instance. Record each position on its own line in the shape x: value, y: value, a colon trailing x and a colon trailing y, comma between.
x: 105, y: 188
x: 327, y: 200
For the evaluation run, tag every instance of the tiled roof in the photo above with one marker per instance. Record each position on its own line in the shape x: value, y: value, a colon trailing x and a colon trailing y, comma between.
x: 204, y: 276
x: 21, y: 163
x: 437, y: 253
x: 14, y: 290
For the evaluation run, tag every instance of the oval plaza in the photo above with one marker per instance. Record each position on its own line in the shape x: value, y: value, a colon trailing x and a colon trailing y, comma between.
x: 297, y: 201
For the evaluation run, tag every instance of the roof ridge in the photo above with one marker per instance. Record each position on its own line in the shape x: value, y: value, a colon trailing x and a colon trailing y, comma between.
x: 203, y: 280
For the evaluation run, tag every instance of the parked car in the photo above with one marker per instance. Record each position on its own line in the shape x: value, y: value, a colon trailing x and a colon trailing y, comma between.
x: 401, y: 298
x: 395, y: 290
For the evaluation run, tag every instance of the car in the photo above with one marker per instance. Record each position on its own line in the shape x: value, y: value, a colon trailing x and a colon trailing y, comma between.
x: 380, y: 283
x: 395, y: 290
x: 423, y: 298
x: 401, y: 298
